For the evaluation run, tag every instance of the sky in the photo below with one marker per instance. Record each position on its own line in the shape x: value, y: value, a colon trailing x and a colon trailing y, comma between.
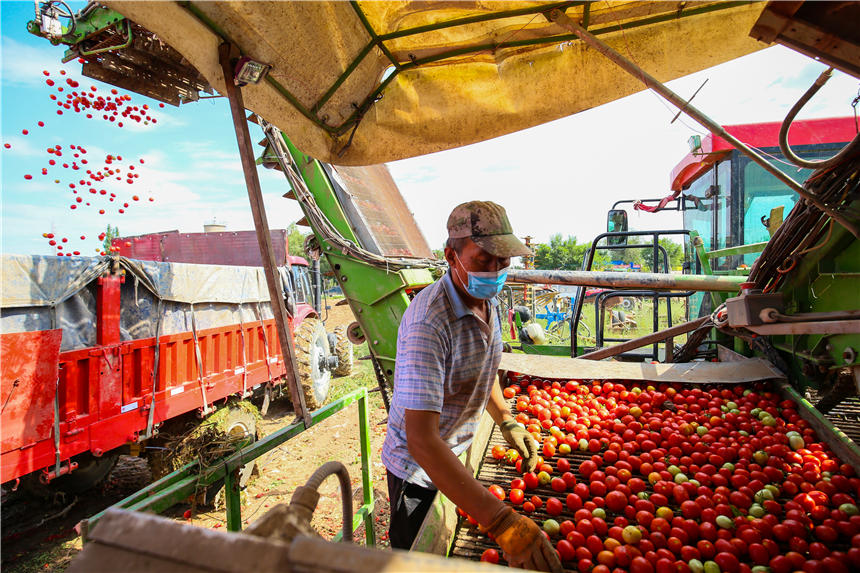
x: 560, y: 177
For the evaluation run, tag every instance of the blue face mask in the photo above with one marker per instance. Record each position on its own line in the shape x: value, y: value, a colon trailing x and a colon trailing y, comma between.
x: 484, y: 284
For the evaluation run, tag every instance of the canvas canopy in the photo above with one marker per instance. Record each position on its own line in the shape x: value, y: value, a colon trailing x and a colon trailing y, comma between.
x: 357, y: 83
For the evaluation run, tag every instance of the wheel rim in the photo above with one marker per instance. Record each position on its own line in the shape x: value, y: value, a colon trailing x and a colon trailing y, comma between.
x: 319, y: 377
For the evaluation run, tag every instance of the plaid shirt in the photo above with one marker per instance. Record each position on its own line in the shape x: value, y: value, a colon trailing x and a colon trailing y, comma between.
x: 447, y: 361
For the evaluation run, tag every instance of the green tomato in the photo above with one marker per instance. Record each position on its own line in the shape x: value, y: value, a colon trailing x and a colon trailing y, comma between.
x: 744, y: 433
x: 681, y: 478
x: 725, y: 522
x: 711, y: 567
x: 849, y: 509
x: 598, y: 512
x: 732, y: 406
x: 757, y: 511
x: 544, y: 478
x: 755, y: 412
x: 552, y: 527
x: 763, y: 495
x: 760, y: 569
x: 583, y: 445
x: 696, y: 566
x: 729, y: 466
x: 674, y: 470
x: 701, y: 430
x: 796, y: 443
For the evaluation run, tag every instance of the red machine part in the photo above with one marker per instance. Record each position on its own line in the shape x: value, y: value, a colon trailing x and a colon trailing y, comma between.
x: 809, y: 132
x: 105, y: 392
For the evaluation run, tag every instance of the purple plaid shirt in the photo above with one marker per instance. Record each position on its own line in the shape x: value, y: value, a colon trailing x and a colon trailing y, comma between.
x: 446, y: 362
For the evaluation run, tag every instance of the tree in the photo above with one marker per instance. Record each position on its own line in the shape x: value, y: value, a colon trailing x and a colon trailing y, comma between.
x: 296, y: 241
x: 111, y: 233
x: 674, y: 251
x: 565, y: 254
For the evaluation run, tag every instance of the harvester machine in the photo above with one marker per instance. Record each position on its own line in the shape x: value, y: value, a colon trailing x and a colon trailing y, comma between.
x: 363, y: 83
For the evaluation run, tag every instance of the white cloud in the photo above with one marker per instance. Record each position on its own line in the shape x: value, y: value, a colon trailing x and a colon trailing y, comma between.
x: 23, y: 64
x: 563, y: 176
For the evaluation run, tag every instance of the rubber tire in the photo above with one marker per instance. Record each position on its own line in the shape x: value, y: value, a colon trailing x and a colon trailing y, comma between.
x: 311, y: 344
x: 344, y: 351
x: 91, y: 471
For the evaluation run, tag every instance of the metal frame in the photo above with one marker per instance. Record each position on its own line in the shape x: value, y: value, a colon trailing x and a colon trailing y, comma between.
x: 378, y: 40
x: 184, y: 482
x: 589, y: 261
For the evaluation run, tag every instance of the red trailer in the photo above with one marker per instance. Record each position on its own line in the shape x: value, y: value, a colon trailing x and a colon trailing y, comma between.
x: 99, y: 352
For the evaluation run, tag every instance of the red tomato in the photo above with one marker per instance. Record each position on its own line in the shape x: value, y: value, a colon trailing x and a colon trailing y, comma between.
x: 517, y: 496
x: 554, y: 506
x: 565, y: 549
x: 497, y: 491
x: 490, y: 556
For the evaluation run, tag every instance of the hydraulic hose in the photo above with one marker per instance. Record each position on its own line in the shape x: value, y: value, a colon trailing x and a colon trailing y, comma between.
x: 340, y: 470
x: 786, y: 125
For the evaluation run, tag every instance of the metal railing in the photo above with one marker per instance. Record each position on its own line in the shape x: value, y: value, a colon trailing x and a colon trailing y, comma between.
x: 187, y: 480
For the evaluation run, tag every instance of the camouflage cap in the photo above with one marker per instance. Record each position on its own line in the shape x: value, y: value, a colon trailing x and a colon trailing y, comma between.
x: 487, y: 224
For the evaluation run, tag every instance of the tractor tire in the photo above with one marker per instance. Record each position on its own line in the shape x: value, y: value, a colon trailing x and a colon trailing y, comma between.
x: 312, y: 345
x: 344, y: 351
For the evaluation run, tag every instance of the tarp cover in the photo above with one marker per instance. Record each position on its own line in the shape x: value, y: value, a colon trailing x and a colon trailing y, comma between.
x: 42, y: 293
x: 474, y: 79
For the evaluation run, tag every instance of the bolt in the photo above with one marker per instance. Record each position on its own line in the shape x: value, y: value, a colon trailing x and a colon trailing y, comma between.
x: 849, y: 355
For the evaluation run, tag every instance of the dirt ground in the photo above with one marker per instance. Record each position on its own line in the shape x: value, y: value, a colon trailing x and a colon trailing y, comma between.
x: 50, y: 544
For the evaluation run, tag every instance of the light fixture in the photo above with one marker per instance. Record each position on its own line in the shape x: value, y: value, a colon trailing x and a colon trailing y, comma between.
x: 249, y: 71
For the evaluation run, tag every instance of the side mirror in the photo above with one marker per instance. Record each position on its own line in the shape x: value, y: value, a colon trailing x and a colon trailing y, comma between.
x: 616, y: 222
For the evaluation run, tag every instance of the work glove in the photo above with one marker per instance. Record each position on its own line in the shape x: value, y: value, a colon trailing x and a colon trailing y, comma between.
x: 523, y: 543
x: 525, y: 444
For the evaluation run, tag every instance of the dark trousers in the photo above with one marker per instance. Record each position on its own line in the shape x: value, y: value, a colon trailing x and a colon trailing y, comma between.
x: 409, y: 506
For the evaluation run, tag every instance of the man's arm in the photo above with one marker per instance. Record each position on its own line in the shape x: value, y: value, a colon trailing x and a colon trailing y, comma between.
x: 446, y: 471
x: 496, y: 406
x: 523, y: 543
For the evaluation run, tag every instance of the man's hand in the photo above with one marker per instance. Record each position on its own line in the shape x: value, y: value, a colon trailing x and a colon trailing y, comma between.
x: 519, y: 438
x: 523, y: 543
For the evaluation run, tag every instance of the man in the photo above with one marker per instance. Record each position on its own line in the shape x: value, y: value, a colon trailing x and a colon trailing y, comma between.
x: 448, y: 351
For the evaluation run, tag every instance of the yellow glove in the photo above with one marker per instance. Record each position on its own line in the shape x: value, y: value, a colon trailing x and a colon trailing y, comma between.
x: 525, y: 444
x: 523, y: 543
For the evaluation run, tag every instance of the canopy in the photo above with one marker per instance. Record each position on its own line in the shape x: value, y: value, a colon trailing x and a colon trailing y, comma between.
x: 357, y: 83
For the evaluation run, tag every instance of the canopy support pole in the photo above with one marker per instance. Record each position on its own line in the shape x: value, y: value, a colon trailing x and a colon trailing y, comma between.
x: 559, y: 17
x: 264, y: 237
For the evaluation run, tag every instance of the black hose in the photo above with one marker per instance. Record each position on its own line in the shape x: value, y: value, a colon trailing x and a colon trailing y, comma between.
x: 340, y: 470
x: 786, y: 125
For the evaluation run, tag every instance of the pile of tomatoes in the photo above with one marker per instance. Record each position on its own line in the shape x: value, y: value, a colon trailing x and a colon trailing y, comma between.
x: 679, y: 479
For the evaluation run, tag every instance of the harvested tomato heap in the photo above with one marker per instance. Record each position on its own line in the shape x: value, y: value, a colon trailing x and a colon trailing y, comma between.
x: 675, y: 479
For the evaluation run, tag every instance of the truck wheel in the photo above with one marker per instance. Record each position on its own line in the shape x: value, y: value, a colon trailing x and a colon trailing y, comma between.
x: 344, y: 352
x: 312, y: 352
x: 91, y: 471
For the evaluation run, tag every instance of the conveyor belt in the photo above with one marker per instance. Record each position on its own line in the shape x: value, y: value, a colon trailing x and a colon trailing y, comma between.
x: 845, y: 416
x: 470, y: 544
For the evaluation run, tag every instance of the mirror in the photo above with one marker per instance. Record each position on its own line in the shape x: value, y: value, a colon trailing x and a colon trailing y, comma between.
x: 616, y: 222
